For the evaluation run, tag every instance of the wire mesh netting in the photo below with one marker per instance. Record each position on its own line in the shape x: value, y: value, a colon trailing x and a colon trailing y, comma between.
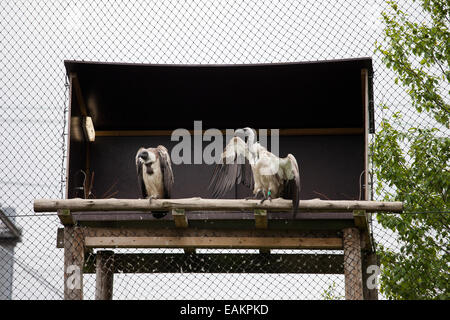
x: 37, y: 36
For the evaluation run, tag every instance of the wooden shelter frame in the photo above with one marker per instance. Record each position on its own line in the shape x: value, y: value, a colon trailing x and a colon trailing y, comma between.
x: 196, y: 223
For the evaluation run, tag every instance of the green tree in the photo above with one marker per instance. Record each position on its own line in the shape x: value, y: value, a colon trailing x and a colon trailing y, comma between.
x: 331, y: 294
x: 412, y: 164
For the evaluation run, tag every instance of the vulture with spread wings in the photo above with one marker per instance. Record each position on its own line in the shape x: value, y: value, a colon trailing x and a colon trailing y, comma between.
x: 155, y: 176
x: 251, y: 164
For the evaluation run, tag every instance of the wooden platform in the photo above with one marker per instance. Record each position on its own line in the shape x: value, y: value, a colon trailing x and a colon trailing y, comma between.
x: 196, y: 223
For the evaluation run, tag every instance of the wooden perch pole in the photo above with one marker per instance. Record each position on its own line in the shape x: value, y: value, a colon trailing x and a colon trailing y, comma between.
x: 193, y: 204
x: 352, y: 264
x: 104, y: 275
x: 73, y: 263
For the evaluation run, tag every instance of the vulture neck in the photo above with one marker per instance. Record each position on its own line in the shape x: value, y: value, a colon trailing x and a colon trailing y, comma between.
x: 251, y: 142
x: 252, y: 148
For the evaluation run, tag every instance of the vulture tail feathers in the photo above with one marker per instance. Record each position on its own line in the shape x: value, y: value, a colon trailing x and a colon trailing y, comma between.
x: 168, y: 179
x: 291, y: 185
x: 294, y: 184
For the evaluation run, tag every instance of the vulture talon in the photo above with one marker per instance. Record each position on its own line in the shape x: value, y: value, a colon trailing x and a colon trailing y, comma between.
x: 269, y: 195
x: 256, y: 196
x: 151, y: 198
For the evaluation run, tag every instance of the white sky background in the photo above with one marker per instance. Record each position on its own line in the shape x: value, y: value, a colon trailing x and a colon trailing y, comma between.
x: 36, y: 36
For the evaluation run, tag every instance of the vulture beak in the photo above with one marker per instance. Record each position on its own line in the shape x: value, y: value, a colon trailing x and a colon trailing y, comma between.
x: 144, y: 158
x: 143, y: 155
x: 241, y: 134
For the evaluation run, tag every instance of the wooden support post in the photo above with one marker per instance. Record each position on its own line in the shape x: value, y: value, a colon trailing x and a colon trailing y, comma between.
x: 73, y: 263
x: 79, y: 95
x: 360, y: 219
x: 104, y: 275
x: 179, y: 216
x: 261, y: 223
x: 370, y: 273
x: 65, y: 217
x: 362, y: 223
x: 180, y: 219
x: 352, y: 264
x: 260, y: 219
x: 365, y: 103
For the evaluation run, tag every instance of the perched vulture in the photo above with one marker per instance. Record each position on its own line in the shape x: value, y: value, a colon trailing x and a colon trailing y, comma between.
x: 155, y: 174
x: 253, y: 165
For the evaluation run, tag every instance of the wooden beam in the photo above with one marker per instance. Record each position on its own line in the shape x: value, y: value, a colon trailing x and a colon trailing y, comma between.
x: 365, y: 103
x: 143, y: 232
x: 180, y: 218
x: 192, y: 204
x: 208, y: 220
x: 60, y: 238
x: 104, y: 275
x: 76, y: 86
x: 282, y: 132
x: 261, y: 219
x: 352, y: 264
x: 88, y: 129
x: 362, y: 223
x: 261, y: 223
x: 73, y: 263
x: 65, y: 217
x: 321, y: 131
x: 360, y: 219
x: 197, y: 232
x: 224, y: 263
x: 69, y: 135
x: 215, y: 242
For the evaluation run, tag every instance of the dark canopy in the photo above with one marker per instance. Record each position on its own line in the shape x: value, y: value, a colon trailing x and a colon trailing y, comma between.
x: 322, y: 94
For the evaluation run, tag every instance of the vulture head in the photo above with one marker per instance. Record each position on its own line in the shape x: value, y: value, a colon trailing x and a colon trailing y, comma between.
x: 248, y: 134
x: 146, y: 158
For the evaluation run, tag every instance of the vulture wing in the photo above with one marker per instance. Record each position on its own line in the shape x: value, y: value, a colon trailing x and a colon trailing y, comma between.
x: 140, y: 173
x: 166, y: 169
x: 234, y: 169
x: 291, y: 188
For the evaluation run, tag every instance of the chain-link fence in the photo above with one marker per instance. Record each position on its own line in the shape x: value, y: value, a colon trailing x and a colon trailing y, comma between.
x: 36, y: 37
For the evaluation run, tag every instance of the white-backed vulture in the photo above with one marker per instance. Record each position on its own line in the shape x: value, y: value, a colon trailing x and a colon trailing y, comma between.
x: 155, y: 176
x: 268, y: 175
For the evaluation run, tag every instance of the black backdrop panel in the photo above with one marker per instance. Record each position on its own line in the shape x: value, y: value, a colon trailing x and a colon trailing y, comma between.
x: 330, y: 167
